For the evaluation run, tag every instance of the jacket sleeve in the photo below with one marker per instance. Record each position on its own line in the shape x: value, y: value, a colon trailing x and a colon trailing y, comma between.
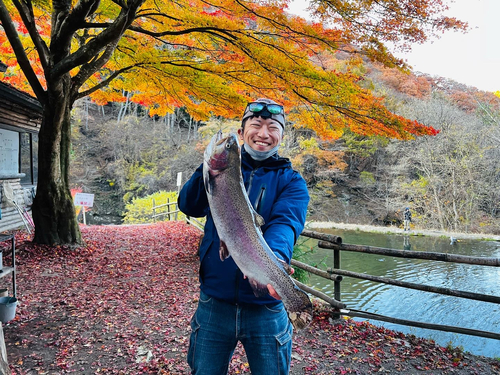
x: 288, y: 217
x: 192, y: 198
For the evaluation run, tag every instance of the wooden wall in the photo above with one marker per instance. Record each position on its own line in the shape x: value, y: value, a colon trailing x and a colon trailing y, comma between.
x: 18, y: 112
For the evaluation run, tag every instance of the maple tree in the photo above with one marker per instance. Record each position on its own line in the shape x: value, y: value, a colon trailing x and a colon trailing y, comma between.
x: 210, y: 58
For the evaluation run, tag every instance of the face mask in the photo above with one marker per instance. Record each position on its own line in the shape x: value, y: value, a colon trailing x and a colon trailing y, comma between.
x: 261, y: 155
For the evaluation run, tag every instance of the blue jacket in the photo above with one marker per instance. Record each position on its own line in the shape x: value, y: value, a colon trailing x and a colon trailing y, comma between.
x: 278, y: 193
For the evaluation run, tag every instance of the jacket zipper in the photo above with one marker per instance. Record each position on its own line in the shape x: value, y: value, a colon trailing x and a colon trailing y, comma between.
x: 259, y: 198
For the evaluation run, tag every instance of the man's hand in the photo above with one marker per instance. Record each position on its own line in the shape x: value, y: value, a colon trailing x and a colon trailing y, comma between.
x: 272, y: 292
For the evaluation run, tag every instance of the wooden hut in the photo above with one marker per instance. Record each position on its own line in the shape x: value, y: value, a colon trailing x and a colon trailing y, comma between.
x: 20, y: 120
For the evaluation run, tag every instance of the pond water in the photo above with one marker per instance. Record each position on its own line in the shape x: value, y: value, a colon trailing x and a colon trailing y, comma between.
x: 418, y: 305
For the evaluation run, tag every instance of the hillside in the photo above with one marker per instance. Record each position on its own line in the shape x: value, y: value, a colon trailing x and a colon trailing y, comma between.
x: 449, y: 180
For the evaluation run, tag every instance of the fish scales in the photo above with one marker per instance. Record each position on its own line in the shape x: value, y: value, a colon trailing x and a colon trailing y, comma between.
x: 238, y: 226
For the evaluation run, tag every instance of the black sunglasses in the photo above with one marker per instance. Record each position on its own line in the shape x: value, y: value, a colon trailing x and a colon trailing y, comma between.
x: 275, y: 109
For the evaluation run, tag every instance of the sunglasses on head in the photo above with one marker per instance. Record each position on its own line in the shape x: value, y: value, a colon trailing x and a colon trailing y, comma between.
x: 275, y: 109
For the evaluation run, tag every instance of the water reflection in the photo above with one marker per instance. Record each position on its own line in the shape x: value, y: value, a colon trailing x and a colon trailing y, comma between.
x: 419, y: 305
x: 406, y: 243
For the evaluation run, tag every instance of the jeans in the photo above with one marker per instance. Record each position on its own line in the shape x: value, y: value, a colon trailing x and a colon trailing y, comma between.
x: 265, y: 332
x: 406, y: 224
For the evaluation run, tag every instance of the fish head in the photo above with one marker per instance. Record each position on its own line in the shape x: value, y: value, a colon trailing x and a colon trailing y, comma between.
x: 223, y: 153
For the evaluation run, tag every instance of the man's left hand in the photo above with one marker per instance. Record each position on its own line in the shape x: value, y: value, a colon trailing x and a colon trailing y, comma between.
x: 272, y: 292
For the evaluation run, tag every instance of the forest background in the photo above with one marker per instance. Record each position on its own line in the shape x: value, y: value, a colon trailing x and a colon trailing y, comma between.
x: 212, y: 59
x: 450, y: 181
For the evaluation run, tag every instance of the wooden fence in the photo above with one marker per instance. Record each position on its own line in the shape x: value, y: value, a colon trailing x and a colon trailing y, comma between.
x: 163, y: 210
x: 336, y: 274
x: 327, y: 241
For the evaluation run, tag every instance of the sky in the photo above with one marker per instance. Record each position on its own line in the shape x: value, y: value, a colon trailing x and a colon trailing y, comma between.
x: 472, y: 58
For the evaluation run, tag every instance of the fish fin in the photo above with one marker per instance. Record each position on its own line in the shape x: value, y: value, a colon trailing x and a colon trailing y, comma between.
x: 223, y: 251
x: 206, y: 178
x: 288, y: 269
x: 259, y: 220
x: 302, y: 313
x: 259, y: 290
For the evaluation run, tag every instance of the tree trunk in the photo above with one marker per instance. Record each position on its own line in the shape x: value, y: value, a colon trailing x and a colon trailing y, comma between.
x: 53, y: 209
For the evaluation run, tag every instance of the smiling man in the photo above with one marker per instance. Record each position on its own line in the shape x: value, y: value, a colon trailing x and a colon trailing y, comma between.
x: 262, y: 128
x: 228, y: 311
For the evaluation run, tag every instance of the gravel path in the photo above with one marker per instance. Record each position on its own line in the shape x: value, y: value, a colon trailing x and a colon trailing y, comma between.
x: 396, y: 230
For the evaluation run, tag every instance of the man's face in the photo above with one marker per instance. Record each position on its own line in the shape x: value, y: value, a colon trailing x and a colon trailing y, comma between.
x: 261, y: 134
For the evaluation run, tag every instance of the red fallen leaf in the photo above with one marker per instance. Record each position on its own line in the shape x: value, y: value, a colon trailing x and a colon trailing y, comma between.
x: 78, y: 311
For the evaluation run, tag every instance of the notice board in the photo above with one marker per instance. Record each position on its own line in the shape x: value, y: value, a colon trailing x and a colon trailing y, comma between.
x: 9, y: 152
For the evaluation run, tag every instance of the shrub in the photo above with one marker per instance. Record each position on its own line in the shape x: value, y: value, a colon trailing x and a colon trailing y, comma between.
x: 140, y: 210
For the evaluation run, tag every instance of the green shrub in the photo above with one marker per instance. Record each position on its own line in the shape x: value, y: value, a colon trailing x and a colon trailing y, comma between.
x: 140, y: 210
x: 301, y: 252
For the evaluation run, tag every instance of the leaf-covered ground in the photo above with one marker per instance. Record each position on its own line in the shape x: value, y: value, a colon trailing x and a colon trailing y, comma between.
x: 122, y: 305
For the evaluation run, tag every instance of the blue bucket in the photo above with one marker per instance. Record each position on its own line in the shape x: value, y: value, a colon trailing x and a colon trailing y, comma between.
x: 7, y: 308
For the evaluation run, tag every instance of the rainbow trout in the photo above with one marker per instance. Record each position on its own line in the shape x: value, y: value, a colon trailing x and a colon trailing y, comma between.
x: 239, y: 231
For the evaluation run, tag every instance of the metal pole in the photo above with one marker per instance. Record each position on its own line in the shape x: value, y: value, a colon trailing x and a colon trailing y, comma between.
x: 14, y: 291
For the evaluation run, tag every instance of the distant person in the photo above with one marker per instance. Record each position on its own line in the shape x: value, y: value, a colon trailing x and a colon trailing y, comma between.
x: 407, y: 219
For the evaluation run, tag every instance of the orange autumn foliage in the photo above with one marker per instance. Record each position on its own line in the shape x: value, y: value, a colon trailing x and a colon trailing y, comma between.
x: 212, y: 59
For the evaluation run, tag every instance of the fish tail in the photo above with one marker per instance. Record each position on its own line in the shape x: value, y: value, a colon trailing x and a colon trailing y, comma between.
x: 301, y: 313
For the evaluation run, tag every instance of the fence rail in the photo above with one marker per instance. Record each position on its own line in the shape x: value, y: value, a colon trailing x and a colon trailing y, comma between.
x: 335, y: 243
x: 157, y: 210
x: 336, y: 274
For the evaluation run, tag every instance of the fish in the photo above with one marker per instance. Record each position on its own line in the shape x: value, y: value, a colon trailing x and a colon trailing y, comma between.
x: 238, y: 226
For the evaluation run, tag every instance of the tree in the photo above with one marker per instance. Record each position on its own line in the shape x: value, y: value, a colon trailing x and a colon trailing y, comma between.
x: 449, y: 177
x: 209, y: 58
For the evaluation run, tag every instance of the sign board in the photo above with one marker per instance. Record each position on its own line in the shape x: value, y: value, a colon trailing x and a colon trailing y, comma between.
x: 84, y: 199
x: 179, y: 178
x: 9, y: 152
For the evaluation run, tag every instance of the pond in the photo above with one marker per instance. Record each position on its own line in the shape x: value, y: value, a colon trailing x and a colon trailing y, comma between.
x: 398, y: 302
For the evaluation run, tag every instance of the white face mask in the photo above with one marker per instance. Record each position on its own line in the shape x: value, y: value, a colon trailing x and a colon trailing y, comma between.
x: 261, y: 155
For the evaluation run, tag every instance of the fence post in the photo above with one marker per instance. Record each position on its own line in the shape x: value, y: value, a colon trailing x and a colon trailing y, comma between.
x: 168, y: 208
x: 154, y: 211
x: 336, y: 266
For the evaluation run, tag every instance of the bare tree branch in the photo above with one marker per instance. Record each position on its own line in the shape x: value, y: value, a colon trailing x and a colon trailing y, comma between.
x: 26, y: 12
x: 103, y: 83
x: 87, y: 70
x: 111, y: 35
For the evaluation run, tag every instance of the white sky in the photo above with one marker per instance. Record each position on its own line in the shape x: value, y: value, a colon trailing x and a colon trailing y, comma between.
x: 472, y: 58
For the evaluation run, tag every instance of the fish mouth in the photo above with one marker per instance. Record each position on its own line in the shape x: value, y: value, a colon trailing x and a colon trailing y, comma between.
x: 221, y: 141
x: 218, y: 138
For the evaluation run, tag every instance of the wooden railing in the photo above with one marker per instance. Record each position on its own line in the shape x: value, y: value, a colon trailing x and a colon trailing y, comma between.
x: 163, y: 210
x: 336, y: 274
x: 334, y: 243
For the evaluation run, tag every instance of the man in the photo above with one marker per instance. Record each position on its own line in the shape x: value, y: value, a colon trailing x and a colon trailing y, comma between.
x: 228, y: 310
x: 407, y: 219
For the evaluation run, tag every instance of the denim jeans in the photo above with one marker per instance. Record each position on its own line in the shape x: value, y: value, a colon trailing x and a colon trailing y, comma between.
x: 265, y: 332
